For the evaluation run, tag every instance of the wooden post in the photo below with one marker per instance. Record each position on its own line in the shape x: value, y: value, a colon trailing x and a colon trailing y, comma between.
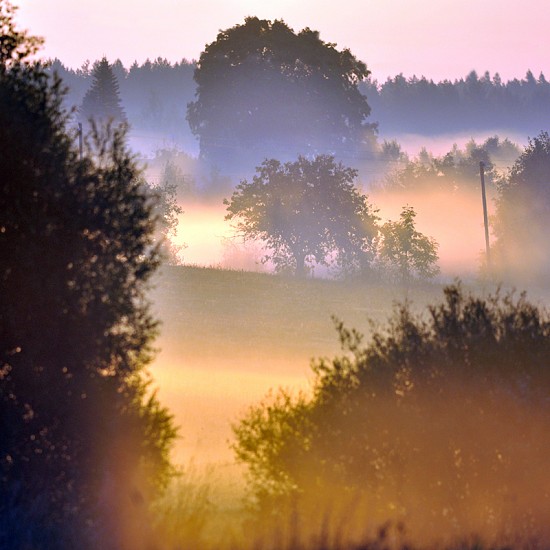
x: 485, y: 218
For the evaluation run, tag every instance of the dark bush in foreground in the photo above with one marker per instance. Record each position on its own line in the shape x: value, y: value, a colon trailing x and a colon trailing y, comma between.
x: 439, y: 422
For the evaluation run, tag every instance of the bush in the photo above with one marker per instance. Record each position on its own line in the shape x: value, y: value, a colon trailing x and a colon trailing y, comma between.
x: 439, y: 421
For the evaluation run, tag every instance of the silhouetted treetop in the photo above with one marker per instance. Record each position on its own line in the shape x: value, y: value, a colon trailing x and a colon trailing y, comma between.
x: 260, y: 85
x: 102, y: 100
x: 521, y: 223
x: 15, y: 45
x: 420, y: 105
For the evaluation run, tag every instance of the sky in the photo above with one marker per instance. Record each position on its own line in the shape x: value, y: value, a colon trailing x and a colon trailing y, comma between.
x: 439, y: 39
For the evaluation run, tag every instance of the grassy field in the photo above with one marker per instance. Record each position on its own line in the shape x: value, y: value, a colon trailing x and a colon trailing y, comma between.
x: 227, y: 337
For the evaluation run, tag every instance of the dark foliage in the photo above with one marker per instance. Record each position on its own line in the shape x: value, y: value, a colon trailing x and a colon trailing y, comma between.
x: 264, y: 90
x: 438, y: 420
x: 422, y: 106
x: 521, y: 223
x: 80, y: 436
x: 154, y: 94
x: 102, y: 100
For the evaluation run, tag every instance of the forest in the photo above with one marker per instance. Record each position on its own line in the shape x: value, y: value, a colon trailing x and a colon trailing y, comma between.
x: 155, y: 95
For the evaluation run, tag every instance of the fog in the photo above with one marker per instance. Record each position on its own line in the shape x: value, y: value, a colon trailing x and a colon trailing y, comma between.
x: 455, y: 220
x: 214, y: 365
x: 232, y: 333
x: 243, y: 374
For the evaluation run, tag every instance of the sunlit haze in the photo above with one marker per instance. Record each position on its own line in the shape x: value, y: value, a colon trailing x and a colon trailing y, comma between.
x: 436, y: 38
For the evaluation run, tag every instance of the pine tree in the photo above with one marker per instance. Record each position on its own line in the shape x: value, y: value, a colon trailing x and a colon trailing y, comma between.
x: 102, y: 101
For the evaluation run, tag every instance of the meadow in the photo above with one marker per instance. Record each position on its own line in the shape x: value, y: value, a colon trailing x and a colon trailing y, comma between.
x: 228, y: 337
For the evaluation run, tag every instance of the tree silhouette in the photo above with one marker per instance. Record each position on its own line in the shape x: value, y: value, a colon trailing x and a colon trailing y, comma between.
x: 166, y: 212
x: 156, y: 93
x: 264, y: 91
x: 456, y: 170
x: 305, y: 211
x: 102, y: 100
x: 81, y: 438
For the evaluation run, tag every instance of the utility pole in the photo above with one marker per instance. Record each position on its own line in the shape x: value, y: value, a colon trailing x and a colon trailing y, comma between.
x: 80, y: 139
x: 485, y: 219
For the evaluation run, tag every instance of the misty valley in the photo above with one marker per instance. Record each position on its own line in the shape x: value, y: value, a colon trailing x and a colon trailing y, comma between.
x: 261, y: 300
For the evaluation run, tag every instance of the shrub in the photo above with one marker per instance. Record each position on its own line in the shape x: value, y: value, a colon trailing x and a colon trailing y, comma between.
x: 438, y: 421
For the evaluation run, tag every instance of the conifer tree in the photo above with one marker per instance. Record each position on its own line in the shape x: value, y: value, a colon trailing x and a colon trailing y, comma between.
x: 102, y: 101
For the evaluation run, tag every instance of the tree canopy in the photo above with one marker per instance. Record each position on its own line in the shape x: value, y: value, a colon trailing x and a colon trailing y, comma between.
x: 306, y: 211
x: 454, y: 171
x: 405, y: 252
x: 166, y: 211
x: 81, y: 437
x: 264, y: 90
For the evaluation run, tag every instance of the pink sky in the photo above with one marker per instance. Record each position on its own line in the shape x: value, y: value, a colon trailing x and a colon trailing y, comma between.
x: 436, y: 38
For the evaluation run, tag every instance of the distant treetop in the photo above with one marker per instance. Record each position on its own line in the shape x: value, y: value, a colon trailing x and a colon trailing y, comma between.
x: 264, y: 90
x: 102, y: 100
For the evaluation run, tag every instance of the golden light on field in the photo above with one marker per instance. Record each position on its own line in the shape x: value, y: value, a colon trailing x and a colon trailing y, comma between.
x: 202, y: 229
x: 207, y: 398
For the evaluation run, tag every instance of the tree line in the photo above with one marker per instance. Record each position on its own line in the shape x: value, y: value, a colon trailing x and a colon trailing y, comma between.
x: 310, y: 213
x: 421, y: 106
x: 155, y: 95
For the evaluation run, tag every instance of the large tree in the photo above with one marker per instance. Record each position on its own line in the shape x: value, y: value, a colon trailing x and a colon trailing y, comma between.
x: 521, y: 224
x: 80, y: 440
x: 307, y: 211
x: 264, y: 90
